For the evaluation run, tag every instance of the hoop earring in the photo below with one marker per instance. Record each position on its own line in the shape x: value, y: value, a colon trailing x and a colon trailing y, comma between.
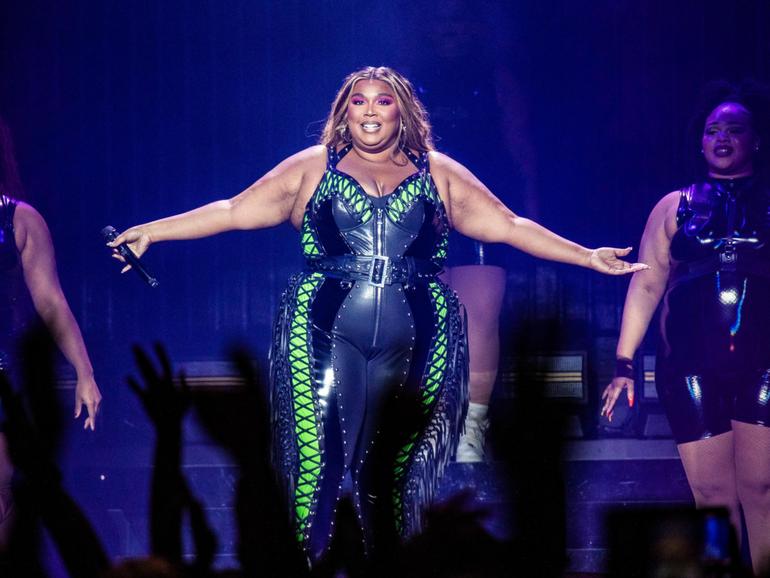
x: 345, y: 133
x: 401, y: 134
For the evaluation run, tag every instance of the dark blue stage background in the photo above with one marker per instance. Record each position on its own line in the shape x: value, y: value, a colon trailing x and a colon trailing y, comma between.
x: 126, y: 111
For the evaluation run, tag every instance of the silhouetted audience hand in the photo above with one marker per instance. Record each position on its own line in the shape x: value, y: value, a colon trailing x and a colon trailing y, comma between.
x: 165, y: 402
x: 32, y: 430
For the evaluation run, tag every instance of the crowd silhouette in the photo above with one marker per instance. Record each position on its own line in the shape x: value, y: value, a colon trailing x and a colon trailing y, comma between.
x: 526, y: 437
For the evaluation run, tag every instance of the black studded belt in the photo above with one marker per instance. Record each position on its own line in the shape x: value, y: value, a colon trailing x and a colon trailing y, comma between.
x: 378, y: 270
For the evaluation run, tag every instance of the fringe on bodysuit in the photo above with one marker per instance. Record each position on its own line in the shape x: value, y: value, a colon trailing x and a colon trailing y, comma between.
x: 442, y: 434
x: 284, y: 448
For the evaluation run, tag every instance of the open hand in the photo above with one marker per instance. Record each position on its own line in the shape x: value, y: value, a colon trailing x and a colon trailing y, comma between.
x: 164, y: 401
x: 87, y: 393
x: 612, y: 392
x: 607, y: 260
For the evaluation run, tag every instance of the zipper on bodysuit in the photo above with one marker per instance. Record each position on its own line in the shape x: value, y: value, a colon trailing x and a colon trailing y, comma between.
x: 728, y: 254
x: 728, y: 264
x: 379, y: 226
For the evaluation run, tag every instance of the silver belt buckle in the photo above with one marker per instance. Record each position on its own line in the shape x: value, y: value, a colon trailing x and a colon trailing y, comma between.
x: 378, y: 270
x: 728, y: 256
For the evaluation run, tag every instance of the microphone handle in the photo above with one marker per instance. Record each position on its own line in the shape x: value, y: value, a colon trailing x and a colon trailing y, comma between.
x: 133, y: 260
x: 110, y: 234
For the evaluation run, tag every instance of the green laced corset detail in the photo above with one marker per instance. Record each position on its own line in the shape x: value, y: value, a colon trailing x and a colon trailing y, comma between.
x: 355, y: 200
x: 333, y: 183
x: 310, y: 245
x: 437, y: 365
x: 403, y: 198
x: 307, y: 427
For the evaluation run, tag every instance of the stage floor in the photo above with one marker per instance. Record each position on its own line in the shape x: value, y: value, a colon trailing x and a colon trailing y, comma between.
x: 599, y: 476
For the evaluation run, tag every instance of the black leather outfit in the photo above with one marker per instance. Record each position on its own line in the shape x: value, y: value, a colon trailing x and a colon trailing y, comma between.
x: 368, y: 318
x: 714, y: 356
x: 13, y: 309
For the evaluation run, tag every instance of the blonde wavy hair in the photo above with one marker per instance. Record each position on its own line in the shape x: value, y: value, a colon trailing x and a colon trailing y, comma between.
x: 415, y: 131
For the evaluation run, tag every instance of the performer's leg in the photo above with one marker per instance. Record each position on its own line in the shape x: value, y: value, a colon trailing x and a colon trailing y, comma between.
x: 710, y: 467
x: 342, y: 411
x: 415, y: 434
x: 329, y: 487
x: 699, y: 407
x: 380, y: 438
x: 481, y: 289
x: 389, y: 367
x: 311, y: 442
x: 752, y: 470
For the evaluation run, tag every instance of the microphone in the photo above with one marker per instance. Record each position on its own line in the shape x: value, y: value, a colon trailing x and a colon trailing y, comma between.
x: 111, y: 234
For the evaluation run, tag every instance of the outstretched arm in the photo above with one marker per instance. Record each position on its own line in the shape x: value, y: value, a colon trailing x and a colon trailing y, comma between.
x: 644, y: 292
x: 475, y: 212
x: 39, y: 265
x: 268, y: 202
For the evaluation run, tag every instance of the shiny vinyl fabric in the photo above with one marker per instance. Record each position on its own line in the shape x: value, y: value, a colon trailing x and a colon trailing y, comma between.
x: 350, y: 338
x: 12, y: 291
x: 714, y: 355
x: 15, y: 305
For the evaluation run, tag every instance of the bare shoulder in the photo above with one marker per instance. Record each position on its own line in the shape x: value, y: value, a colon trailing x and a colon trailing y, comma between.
x: 307, y: 166
x: 666, y: 206
x: 309, y: 159
x: 444, y: 165
x: 670, y: 200
x: 310, y: 165
x: 25, y: 214
x: 448, y: 174
x: 313, y: 154
x: 664, y: 212
x: 28, y: 225
x: 442, y: 169
x: 291, y: 176
x: 27, y: 218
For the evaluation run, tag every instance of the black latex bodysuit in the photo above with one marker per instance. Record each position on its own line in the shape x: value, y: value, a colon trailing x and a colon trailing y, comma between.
x: 714, y: 355
x: 15, y: 309
x: 367, y: 319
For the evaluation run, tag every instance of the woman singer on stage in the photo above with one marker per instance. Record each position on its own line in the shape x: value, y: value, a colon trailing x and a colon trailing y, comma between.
x: 368, y: 316
x: 708, y: 248
x: 29, y: 286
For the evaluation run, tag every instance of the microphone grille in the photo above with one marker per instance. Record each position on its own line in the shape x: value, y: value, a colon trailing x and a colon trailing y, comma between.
x: 109, y: 233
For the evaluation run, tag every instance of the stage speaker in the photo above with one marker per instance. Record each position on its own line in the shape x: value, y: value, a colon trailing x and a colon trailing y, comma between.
x: 647, y: 371
x: 561, y: 375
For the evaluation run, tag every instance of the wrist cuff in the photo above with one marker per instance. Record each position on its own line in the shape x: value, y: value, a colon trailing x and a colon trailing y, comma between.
x: 624, y: 368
